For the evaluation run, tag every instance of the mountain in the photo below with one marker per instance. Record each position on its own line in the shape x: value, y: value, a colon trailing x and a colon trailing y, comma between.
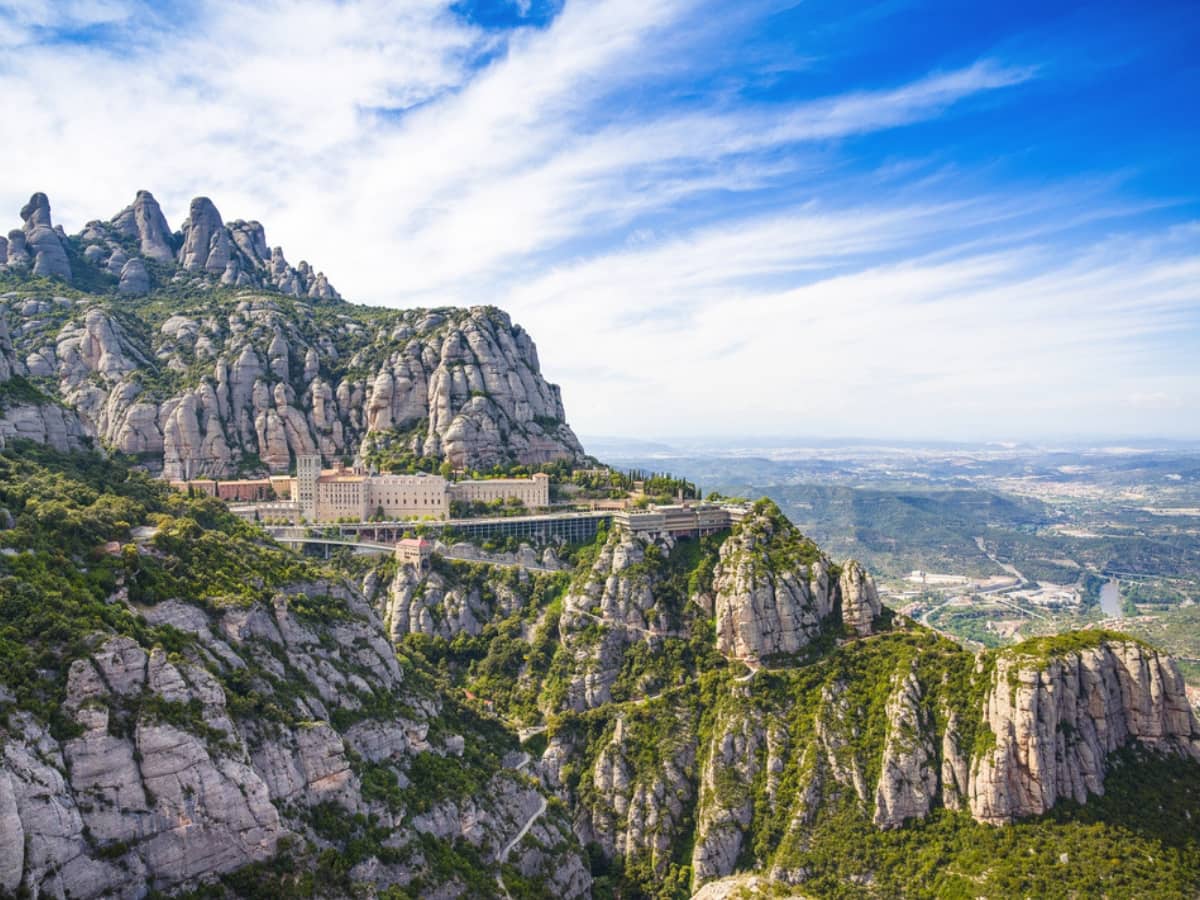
x: 234, y: 363
x: 197, y: 702
x: 187, y: 708
x: 136, y: 249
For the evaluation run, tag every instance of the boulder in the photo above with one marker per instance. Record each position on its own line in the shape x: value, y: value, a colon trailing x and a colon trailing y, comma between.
x: 135, y: 280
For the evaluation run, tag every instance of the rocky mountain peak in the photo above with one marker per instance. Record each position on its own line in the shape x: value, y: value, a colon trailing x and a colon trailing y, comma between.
x: 36, y: 211
x: 39, y: 244
x: 144, y: 220
x: 205, y: 251
x: 772, y: 588
x: 775, y: 592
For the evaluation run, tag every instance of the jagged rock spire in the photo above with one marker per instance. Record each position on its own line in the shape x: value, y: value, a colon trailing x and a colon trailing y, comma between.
x: 143, y: 219
x: 42, y: 242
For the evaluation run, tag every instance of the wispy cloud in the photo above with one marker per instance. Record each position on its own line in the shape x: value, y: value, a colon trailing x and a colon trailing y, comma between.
x: 657, y: 222
x: 922, y: 343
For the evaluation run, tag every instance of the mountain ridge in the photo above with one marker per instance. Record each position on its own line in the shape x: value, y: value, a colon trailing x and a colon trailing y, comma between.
x: 209, y: 376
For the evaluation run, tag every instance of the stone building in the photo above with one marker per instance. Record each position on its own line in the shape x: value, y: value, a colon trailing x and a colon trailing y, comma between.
x: 329, y: 495
x: 415, y: 552
x: 533, y: 492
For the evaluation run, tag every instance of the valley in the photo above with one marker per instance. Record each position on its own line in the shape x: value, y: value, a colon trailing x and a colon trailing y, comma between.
x: 989, y: 543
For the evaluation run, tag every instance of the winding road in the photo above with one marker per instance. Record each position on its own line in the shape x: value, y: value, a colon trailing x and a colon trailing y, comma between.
x: 541, y: 810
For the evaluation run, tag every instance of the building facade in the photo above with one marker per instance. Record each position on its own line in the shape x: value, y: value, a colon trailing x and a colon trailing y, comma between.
x: 340, y: 493
x: 532, y: 492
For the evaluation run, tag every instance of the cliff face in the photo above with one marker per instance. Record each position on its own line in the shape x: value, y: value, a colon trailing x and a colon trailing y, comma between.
x: 255, y: 382
x: 26, y: 413
x: 260, y: 381
x: 656, y: 746
x: 608, y: 609
x: 162, y: 783
x: 216, y: 384
x: 775, y: 592
x: 1055, y: 722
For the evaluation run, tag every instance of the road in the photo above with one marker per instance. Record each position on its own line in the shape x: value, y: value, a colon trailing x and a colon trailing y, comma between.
x: 610, y: 623
x: 1011, y: 570
x: 284, y: 537
x: 541, y: 810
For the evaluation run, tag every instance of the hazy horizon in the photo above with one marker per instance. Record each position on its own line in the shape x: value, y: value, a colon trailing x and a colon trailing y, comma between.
x: 715, y: 442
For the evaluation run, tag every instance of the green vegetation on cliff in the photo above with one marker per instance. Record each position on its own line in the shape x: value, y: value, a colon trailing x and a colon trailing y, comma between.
x: 1138, y: 840
x: 68, y: 562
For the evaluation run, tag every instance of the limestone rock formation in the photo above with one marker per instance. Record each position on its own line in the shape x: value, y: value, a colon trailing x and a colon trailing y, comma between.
x: 273, y: 385
x: 135, y: 280
x: 619, y: 599
x: 634, y: 813
x: 209, y: 252
x: 726, y: 796
x: 254, y: 380
x: 42, y: 241
x: 908, y: 780
x: 860, y: 600
x: 772, y: 588
x: 206, y: 244
x: 37, y: 418
x: 143, y: 220
x: 236, y: 255
x: 1055, y: 722
x: 160, y: 785
x: 439, y: 607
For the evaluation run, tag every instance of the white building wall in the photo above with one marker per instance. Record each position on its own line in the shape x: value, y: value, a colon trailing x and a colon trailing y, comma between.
x: 533, y: 492
x: 408, y: 496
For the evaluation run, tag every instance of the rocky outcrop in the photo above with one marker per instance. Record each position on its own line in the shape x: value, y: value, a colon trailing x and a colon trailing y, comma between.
x: 1055, y: 720
x: 43, y: 423
x: 859, y: 599
x: 608, y: 608
x: 726, y: 795
x: 439, y: 606
x: 42, y: 242
x: 237, y: 256
x: 908, y: 778
x: 209, y: 253
x: 207, y: 246
x: 28, y: 416
x: 259, y: 381
x: 144, y: 221
x: 160, y: 785
x: 135, y: 280
x: 772, y: 588
x: 632, y: 811
x: 774, y: 592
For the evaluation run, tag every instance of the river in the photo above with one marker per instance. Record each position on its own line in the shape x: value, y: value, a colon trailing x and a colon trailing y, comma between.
x: 1110, y: 599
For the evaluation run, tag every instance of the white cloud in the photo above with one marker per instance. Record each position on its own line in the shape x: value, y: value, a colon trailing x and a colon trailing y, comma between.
x: 975, y: 345
x: 276, y: 111
x: 418, y: 158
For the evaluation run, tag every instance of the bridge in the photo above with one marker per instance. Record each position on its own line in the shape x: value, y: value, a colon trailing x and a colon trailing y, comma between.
x: 572, y: 527
x: 300, y: 539
x: 295, y: 540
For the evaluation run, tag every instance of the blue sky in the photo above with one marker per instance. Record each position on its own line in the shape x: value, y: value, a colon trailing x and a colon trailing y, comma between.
x: 896, y: 219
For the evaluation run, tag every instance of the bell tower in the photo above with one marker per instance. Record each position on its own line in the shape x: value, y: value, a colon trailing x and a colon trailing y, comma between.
x: 308, y: 471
